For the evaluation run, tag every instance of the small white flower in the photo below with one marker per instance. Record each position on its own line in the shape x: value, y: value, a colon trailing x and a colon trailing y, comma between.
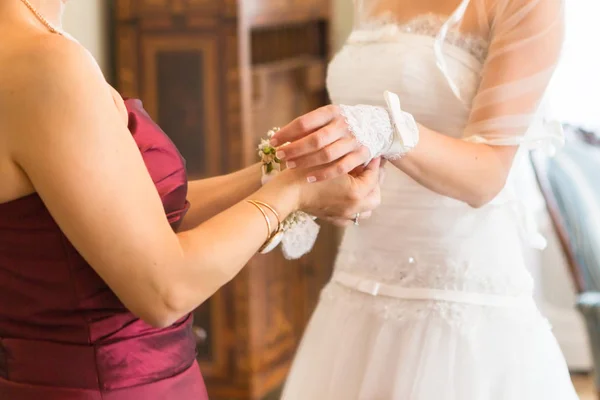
x: 263, y: 145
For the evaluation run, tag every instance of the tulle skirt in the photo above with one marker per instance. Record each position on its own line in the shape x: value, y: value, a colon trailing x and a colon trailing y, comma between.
x: 366, y: 347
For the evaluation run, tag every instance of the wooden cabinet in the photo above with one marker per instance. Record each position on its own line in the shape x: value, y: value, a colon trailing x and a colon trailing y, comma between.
x: 216, y: 75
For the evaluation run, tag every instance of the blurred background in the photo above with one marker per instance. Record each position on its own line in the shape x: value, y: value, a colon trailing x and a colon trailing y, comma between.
x: 217, y: 74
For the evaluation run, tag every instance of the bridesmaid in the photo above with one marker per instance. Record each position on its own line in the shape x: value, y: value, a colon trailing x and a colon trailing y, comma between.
x: 99, y: 269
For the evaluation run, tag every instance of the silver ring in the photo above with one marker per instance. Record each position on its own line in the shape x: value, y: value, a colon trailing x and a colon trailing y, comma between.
x: 356, y: 221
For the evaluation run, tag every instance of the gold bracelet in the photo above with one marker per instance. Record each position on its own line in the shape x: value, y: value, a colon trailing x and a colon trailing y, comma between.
x: 273, y: 238
x: 268, y: 221
x: 274, y: 213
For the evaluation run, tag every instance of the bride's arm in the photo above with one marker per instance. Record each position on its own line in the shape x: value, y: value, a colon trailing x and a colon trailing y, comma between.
x: 523, y: 54
x: 470, y: 172
x: 209, y: 197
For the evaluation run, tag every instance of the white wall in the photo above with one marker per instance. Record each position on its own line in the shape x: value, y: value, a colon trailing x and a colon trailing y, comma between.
x: 574, y: 95
x: 342, y: 22
x: 86, y: 21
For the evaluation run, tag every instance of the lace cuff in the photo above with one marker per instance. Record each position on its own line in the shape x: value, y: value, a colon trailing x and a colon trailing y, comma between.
x: 389, y: 133
x: 371, y: 126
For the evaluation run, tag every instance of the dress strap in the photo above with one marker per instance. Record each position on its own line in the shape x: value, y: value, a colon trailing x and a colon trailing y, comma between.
x: 456, y: 17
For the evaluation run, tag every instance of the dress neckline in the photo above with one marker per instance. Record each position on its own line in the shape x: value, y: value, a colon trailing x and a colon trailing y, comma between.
x: 387, y: 28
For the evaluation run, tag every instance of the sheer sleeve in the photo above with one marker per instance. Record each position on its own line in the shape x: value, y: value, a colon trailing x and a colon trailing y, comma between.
x: 526, y: 41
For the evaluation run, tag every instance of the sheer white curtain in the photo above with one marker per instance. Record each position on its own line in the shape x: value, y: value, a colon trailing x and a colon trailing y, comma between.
x: 343, y: 12
x: 574, y: 96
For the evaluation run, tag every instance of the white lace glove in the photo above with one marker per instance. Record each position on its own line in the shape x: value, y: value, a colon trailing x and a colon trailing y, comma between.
x: 386, y: 132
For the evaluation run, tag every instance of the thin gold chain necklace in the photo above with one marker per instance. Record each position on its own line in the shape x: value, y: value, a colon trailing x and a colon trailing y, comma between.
x: 41, y: 18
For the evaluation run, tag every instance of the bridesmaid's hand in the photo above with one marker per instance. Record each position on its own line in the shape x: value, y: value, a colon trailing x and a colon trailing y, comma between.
x: 338, y: 200
x: 321, y: 138
x: 376, y: 193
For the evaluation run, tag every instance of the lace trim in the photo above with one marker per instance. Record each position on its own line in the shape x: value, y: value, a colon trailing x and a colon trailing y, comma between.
x: 386, y: 27
x: 462, y: 317
x: 438, y: 272
x: 371, y: 126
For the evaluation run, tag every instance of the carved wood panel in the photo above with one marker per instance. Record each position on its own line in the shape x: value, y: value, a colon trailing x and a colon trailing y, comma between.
x: 149, y: 8
x: 127, y: 67
x: 282, y: 12
x: 181, y: 92
x: 279, y: 309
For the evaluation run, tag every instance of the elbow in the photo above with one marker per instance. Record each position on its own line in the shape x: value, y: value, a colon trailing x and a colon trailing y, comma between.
x: 483, y: 195
x: 159, y: 316
x: 165, y: 300
x: 171, y: 307
x: 162, y: 311
x: 479, y: 201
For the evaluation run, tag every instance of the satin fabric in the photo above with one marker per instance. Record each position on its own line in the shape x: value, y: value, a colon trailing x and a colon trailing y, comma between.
x: 63, y: 333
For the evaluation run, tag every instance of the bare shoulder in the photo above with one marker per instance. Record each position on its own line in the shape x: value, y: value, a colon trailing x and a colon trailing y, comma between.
x: 56, y: 53
x: 40, y: 75
x: 50, y: 68
x: 45, y: 77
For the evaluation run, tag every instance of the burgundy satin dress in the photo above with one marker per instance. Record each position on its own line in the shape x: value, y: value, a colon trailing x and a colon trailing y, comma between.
x: 64, y: 335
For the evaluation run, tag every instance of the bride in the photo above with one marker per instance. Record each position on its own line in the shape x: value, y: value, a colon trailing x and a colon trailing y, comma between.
x: 431, y: 298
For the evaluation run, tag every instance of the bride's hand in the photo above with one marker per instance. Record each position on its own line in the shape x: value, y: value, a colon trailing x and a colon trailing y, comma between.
x: 321, y: 138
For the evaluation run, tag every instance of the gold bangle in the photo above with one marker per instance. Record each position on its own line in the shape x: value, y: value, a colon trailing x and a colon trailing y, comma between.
x: 274, y: 213
x: 268, y: 221
x: 273, y: 238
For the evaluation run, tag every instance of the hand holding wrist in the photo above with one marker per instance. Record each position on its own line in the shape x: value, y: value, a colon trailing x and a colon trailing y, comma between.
x: 337, y: 139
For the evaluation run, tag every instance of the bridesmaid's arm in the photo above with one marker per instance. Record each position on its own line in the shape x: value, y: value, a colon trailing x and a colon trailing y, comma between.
x: 65, y: 133
x: 209, y: 197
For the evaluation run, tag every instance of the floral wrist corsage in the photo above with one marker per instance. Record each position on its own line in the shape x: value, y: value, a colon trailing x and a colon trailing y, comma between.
x: 299, y: 230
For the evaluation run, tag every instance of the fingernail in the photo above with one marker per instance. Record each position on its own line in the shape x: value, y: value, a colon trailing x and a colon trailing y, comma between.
x: 311, y: 179
x: 273, y: 142
x: 290, y: 164
x: 280, y: 154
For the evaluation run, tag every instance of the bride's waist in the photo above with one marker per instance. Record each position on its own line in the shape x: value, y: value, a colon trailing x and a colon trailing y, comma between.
x: 509, y: 291
x: 423, y: 211
x: 439, y: 270
x: 488, y: 243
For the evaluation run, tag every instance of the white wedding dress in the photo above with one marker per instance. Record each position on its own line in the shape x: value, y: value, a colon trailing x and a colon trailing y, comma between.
x: 430, y: 298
